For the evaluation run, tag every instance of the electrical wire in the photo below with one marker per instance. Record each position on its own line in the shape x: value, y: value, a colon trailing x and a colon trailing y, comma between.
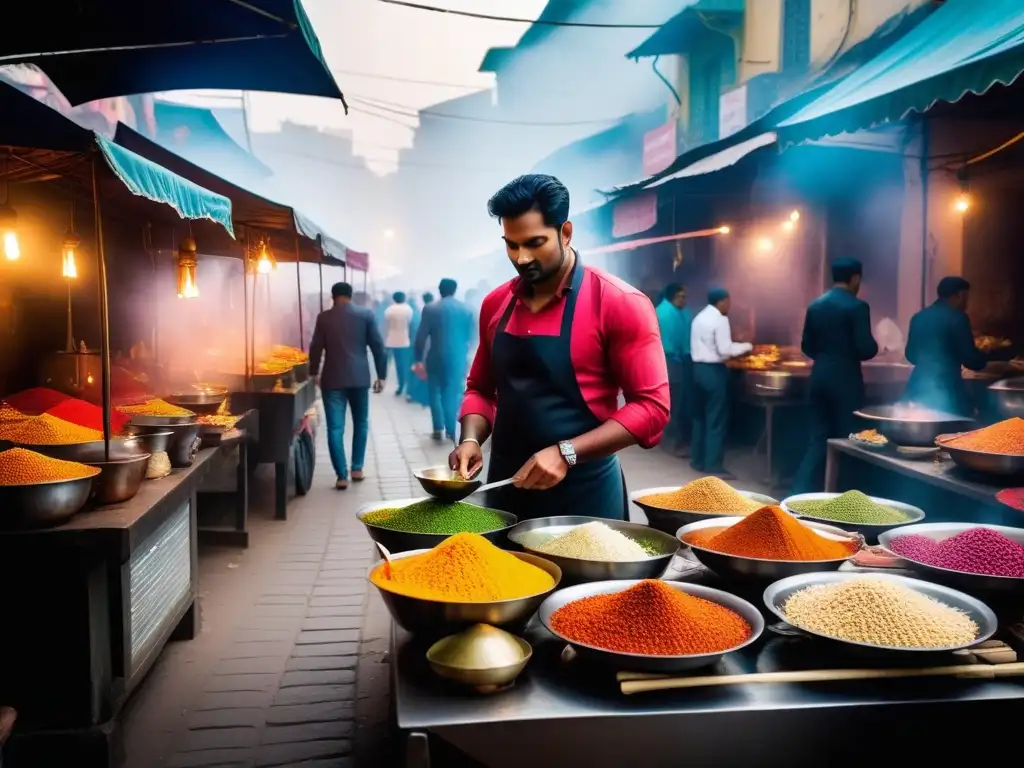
x: 514, y: 19
x: 408, y: 111
x: 413, y: 81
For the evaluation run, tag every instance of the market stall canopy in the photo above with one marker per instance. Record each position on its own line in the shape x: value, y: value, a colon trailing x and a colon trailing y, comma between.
x: 963, y: 47
x: 94, y: 49
x: 280, y: 223
x: 716, y: 162
x: 680, y: 33
x: 42, y: 144
x: 341, y: 254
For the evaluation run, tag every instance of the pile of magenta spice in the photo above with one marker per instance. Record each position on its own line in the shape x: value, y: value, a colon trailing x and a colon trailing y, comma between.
x: 976, y: 550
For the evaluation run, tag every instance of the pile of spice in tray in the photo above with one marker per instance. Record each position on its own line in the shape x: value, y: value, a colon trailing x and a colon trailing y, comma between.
x: 88, y: 415
x: 1005, y: 437
x: 879, y: 612
x: 35, y: 401
x: 651, y: 618
x: 771, y: 533
x: 433, y: 516
x: 465, y: 568
x: 9, y: 414
x: 155, y: 408
x: 21, y: 467
x: 46, y: 430
x: 849, y: 507
x: 710, y: 495
x: 976, y: 550
x: 594, y: 541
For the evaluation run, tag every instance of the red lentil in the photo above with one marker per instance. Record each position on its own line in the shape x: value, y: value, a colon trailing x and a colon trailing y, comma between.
x: 651, y: 618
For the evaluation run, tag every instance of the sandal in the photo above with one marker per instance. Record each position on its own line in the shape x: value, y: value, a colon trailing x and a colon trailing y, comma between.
x: 358, y: 476
x: 341, y: 484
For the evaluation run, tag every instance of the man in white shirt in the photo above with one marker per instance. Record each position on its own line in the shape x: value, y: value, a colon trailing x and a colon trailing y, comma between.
x: 397, y: 320
x: 711, y: 345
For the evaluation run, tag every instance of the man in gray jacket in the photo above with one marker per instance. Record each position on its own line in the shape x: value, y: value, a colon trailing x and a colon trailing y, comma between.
x: 344, y: 332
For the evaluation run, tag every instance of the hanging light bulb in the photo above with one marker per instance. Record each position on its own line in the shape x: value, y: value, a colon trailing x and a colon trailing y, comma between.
x: 794, y: 215
x: 963, y: 203
x: 187, y: 286
x: 266, y: 263
x: 9, y: 232
x: 724, y: 230
x: 69, y: 268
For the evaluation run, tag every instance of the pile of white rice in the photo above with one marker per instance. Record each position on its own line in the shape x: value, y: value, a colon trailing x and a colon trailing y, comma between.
x: 595, y: 541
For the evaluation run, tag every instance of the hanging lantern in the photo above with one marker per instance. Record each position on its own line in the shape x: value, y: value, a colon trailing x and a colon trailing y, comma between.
x: 9, y: 232
x: 69, y: 268
x: 187, y: 286
x: 265, y: 263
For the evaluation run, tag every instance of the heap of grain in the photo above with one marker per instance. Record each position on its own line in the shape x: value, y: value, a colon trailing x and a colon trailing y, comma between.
x: 46, y: 430
x: 437, y: 517
x: 594, y: 541
x: 21, y: 467
x: 771, y: 533
x: 709, y: 495
x: 977, y: 550
x: 156, y: 408
x: 850, y: 507
x: 878, y: 612
x: 1005, y: 437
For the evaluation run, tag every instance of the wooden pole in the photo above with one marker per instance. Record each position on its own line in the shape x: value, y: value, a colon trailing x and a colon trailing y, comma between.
x: 101, y: 260
x: 298, y: 285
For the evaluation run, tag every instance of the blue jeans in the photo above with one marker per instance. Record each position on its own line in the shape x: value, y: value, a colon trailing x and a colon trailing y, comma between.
x: 403, y: 362
x: 335, y: 402
x: 445, y: 399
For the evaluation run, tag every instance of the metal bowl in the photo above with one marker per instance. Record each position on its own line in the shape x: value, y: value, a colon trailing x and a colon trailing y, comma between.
x: 669, y: 520
x: 969, y: 582
x: 403, y: 541
x: 870, y: 531
x: 754, y: 568
x: 43, y: 505
x: 119, y: 480
x: 92, y: 451
x: 893, y: 422
x: 638, y: 662
x: 438, y: 617
x: 530, y: 534
x: 772, y: 384
x: 483, y: 657
x: 162, y: 421
x: 181, y: 445
x: 150, y: 441
x: 444, y: 483
x: 1002, y: 464
x: 776, y: 594
x: 1008, y: 395
x: 206, y: 399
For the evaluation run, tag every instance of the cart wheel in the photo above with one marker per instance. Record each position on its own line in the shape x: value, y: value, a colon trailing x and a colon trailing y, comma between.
x: 305, y: 462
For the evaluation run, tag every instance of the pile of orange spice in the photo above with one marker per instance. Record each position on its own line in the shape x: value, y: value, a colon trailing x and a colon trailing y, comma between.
x: 21, y: 467
x: 1005, y: 437
x: 651, y: 618
x: 710, y: 495
x: 9, y: 414
x: 46, y: 430
x: 771, y: 533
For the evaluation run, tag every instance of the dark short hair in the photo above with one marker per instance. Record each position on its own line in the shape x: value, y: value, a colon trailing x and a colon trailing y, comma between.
x: 428, y: 297
x: 844, y: 269
x: 447, y: 287
x: 532, y: 192
x: 341, y: 291
x: 398, y: 297
x: 716, y: 295
x: 952, y: 285
x: 670, y: 291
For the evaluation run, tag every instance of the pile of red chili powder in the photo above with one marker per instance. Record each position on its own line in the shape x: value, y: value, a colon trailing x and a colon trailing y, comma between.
x: 976, y: 550
x: 651, y: 618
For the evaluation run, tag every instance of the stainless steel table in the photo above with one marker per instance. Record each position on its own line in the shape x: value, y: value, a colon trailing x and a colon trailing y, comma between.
x: 567, y: 713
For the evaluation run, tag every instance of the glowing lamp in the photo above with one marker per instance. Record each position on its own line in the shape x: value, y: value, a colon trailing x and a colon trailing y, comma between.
x: 723, y: 230
x: 788, y: 225
x: 765, y: 244
x: 9, y: 232
x: 266, y: 263
x: 68, y: 267
x: 187, y: 286
x: 794, y: 216
x: 962, y: 204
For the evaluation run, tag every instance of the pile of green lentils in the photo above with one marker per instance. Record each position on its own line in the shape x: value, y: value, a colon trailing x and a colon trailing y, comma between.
x: 433, y: 516
x: 849, y: 507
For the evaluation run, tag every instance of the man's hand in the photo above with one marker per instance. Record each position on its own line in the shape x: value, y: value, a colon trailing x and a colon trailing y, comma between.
x: 378, y: 386
x: 544, y: 470
x: 467, y: 459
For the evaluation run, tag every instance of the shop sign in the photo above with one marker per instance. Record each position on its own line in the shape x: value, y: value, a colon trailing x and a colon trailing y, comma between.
x: 660, y: 148
x: 635, y: 215
x: 732, y: 111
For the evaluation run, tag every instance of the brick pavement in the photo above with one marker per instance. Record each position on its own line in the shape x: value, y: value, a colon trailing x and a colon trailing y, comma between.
x: 290, y: 666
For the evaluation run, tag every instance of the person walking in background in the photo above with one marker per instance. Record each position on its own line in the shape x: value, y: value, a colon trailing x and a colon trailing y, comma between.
x: 837, y: 337
x: 675, y: 320
x: 417, y: 388
x: 711, y: 345
x: 397, y: 320
x: 343, y: 333
x: 446, y: 333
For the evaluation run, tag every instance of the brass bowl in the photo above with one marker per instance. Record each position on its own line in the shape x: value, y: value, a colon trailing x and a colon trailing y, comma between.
x: 485, y: 658
x: 445, y: 484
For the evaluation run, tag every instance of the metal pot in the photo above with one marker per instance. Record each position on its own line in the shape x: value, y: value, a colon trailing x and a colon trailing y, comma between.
x: 119, y: 480
x: 1008, y: 395
x: 774, y: 384
x: 183, y: 444
x: 903, y: 427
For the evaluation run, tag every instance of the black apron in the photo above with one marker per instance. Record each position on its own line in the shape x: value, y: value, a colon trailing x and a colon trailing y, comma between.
x: 539, y: 405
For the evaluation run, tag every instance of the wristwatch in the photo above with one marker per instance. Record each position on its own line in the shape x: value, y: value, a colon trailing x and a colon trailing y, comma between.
x: 568, y: 452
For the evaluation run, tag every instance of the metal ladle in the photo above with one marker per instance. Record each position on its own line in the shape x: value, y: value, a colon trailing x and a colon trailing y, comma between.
x: 444, y: 484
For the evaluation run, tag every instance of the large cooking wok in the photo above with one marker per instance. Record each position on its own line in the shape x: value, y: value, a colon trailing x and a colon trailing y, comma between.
x: 908, y: 425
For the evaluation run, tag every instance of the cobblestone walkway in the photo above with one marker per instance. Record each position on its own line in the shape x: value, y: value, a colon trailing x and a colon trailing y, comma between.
x: 289, y: 668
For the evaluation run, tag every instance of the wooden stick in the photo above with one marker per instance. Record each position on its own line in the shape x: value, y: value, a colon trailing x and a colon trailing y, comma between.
x: 631, y: 686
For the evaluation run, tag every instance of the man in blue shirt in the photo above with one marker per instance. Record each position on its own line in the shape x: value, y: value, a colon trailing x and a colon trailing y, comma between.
x: 675, y: 319
x: 837, y: 337
x: 447, y: 330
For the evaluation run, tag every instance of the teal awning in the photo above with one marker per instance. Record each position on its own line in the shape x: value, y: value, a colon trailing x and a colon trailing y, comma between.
x: 153, y: 182
x: 682, y: 31
x: 966, y: 46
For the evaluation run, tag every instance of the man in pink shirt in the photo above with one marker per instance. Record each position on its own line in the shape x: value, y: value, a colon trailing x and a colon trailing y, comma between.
x: 557, y: 344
